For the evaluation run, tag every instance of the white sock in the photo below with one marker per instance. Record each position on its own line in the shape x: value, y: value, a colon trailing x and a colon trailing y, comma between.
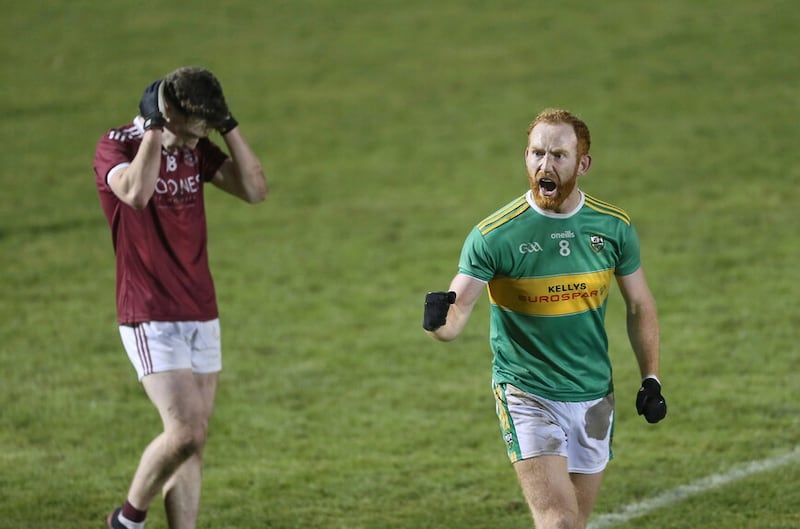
x: 129, y: 524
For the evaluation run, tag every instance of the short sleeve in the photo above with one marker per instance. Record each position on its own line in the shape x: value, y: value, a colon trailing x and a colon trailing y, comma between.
x: 629, y: 260
x: 475, y: 260
x: 111, y: 152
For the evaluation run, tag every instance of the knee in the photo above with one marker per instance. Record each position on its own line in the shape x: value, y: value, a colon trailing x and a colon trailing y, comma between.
x: 190, y: 439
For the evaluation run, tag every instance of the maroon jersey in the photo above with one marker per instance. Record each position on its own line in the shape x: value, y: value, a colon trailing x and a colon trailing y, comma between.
x: 161, y: 250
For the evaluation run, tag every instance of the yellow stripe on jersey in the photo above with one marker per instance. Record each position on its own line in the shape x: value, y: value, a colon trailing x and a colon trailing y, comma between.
x: 551, y: 296
x: 609, y: 209
x: 503, y: 215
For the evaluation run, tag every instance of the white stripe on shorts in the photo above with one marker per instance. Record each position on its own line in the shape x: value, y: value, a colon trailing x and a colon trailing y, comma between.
x: 143, y: 350
x: 157, y: 346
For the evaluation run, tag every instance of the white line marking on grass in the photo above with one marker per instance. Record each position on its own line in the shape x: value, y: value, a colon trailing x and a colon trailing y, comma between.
x: 714, y: 481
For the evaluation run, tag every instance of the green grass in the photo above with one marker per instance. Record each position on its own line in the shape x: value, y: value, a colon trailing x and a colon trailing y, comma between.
x: 388, y: 129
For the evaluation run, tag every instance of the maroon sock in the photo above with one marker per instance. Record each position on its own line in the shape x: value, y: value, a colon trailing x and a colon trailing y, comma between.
x: 132, y: 513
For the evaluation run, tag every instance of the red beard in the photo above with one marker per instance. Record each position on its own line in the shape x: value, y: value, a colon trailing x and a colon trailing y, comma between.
x: 542, y: 194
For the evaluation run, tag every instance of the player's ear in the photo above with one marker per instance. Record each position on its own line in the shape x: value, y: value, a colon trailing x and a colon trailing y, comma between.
x: 584, y: 164
x: 162, y: 100
x: 164, y: 104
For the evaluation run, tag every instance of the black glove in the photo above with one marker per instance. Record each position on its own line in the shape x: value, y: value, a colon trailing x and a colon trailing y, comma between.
x: 650, y: 402
x: 227, y: 125
x: 148, y: 107
x: 436, y: 306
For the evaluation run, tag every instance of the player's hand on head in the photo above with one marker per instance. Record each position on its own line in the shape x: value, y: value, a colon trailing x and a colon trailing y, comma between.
x: 227, y: 124
x: 437, y: 304
x: 149, y: 109
x: 650, y: 402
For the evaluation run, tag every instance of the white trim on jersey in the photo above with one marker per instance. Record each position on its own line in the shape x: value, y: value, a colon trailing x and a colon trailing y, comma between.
x: 553, y: 214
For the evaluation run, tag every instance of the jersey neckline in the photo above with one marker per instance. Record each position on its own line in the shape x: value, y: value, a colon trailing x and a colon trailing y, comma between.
x: 553, y: 214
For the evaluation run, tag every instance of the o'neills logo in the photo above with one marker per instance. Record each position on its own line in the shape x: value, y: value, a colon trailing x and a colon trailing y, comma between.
x: 568, y: 234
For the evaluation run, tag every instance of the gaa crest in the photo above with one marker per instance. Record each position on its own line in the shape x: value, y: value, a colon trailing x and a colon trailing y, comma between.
x: 597, y: 242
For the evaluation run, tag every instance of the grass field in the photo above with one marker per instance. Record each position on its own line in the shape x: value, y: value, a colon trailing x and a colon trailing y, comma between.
x: 388, y: 129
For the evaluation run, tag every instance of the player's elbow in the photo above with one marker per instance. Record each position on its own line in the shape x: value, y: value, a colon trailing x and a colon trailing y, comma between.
x: 137, y: 197
x: 258, y: 191
x: 137, y: 202
x: 131, y: 191
x: 260, y: 194
x: 134, y: 198
x: 643, y: 307
x: 442, y: 334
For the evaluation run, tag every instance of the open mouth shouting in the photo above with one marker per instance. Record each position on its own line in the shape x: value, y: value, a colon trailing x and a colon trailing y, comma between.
x: 547, y: 186
x: 550, y: 191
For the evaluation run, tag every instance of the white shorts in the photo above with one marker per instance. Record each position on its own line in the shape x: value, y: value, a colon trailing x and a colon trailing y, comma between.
x: 157, y: 346
x: 534, y: 426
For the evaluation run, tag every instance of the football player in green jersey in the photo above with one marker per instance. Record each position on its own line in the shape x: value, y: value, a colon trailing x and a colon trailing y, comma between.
x: 547, y: 260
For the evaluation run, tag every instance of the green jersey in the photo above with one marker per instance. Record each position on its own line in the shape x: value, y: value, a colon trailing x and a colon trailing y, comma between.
x: 548, y: 277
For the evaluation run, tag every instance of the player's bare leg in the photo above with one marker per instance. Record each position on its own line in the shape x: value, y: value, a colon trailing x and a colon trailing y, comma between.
x: 182, y: 490
x: 182, y: 494
x: 587, y: 486
x: 185, y: 407
x: 557, y: 499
